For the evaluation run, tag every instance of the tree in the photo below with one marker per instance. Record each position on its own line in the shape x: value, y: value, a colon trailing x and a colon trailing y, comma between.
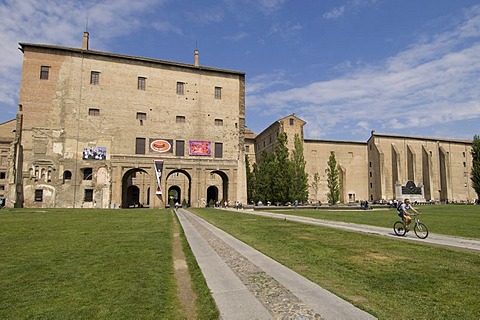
x: 251, y: 187
x: 281, y: 177
x: 299, y: 185
x: 316, y: 184
x: 475, y: 173
x: 332, y: 180
x: 263, y: 173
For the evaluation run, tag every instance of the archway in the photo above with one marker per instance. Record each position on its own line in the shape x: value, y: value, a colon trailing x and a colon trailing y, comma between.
x: 174, y: 195
x: 180, y: 183
x: 224, y: 184
x: 212, y: 194
x: 135, y: 188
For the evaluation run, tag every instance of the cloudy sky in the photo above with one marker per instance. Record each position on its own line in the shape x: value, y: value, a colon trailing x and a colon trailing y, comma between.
x: 408, y: 67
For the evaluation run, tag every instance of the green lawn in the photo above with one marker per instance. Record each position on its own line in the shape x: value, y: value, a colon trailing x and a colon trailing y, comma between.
x: 455, y: 220
x: 389, y: 278
x: 90, y: 264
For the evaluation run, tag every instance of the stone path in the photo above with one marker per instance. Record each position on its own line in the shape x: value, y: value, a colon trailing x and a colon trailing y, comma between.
x: 249, y: 285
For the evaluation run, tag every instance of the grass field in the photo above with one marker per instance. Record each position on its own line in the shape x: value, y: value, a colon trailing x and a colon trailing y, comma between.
x: 90, y: 264
x: 455, y: 220
x: 389, y: 278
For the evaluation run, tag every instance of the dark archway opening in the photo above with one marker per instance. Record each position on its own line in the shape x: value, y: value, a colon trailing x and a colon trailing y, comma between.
x: 174, y: 195
x: 180, y: 187
x: 212, y: 195
x: 135, y: 189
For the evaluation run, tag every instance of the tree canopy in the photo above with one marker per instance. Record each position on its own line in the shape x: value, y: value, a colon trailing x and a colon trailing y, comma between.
x: 475, y: 173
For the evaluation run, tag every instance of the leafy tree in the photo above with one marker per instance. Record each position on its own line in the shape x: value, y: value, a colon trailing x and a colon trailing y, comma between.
x: 250, y: 181
x: 263, y: 172
x: 316, y: 184
x: 281, y: 176
x: 299, y: 186
x: 332, y: 180
x: 475, y: 174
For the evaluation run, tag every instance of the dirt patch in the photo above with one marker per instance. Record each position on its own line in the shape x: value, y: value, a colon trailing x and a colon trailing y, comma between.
x: 184, y: 283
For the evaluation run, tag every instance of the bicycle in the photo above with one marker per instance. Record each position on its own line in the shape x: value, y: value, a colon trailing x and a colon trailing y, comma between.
x: 419, y: 228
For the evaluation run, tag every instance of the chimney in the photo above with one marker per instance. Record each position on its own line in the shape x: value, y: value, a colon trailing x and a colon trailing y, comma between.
x: 85, y: 41
x: 196, y: 63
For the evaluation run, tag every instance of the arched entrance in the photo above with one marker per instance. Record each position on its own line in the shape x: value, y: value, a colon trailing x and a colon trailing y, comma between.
x: 220, y: 179
x: 179, y: 183
x: 212, y: 195
x: 135, y: 189
x: 174, y: 195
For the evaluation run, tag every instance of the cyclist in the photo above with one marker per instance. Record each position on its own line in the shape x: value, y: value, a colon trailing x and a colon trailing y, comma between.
x: 403, y: 212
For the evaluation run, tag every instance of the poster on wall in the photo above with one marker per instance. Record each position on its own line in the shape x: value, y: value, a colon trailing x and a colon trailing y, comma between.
x: 199, y: 148
x: 161, y: 145
x: 158, y: 169
x: 94, y: 153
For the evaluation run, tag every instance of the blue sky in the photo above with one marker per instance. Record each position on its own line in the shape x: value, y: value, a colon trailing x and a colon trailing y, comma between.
x: 409, y: 67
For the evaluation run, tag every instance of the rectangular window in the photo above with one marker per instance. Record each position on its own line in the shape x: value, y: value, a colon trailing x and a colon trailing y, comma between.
x: 88, y: 195
x: 3, y: 175
x: 141, y: 116
x: 140, y: 145
x: 292, y: 122
x: 218, y: 150
x: 38, y: 195
x: 180, y: 148
x: 247, y: 148
x: 142, y: 82
x: 180, y: 119
x: 93, y: 112
x: 180, y: 88
x: 218, y: 93
x: 95, y: 77
x: 44, y: 71
x: 87, y: 173
x: 218, y: 122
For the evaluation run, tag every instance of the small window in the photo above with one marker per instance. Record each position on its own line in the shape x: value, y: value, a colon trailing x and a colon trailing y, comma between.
x: 87, y: 173
x: 180, y: 88
x: 67, y: 175
x: 218, y: 93
x: 38, y: 195
x: 142, y: 82
x: 218, y: 122
x: 141, y: 116
x: 218, y: 150
x: 180, y: 119
x: 247, y: 148
x: 3, y: 175
x: 95, y: 77
x: 292, y: 121
x: 180, y: 148
x: 88, y: 195
x: 44, y: 71
x: 93, y: 112
x: 140, y: 145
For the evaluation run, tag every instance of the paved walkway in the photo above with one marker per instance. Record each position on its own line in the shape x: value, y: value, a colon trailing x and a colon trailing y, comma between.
x: 464, y: 243
x: 246, y: 284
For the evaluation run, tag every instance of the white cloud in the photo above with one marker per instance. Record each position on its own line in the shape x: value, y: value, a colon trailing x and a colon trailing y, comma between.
x: 334, y: 13
x: 432, y: 82
x: 352, y: 5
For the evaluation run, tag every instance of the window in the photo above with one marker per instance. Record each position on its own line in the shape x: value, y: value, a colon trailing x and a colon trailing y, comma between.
x: 218, y: 122
x: 292, y: 122
x: 218, y: 93
x: 44, y: 71
x: 38, y: 195
x: 93, y: 112
x: 95, y: 77
x: 180, y: 119
x: 218, y: 150
x: 88, y: 195
x: 87, y: 173
x: 247, y: 148
x: 3, y: 175
x: 142, y: 83
x: 67, y: 175
x: 180, y: 88
x: 140, y: 145
x: 180, y: 148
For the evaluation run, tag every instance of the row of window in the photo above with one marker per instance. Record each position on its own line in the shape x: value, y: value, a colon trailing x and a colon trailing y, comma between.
x: 142, y: 116
x: 141, y: 82
x: 88, y: 195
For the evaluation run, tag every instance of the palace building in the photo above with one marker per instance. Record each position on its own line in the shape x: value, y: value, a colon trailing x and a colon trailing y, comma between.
x: 104, y: 130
